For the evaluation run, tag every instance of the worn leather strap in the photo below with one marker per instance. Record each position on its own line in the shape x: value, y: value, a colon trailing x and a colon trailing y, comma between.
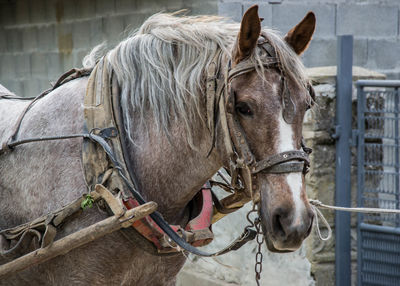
x: 211, y: 84
x: 278, y: 159
x: 225, y: 128
x: 288, y: 167
x: 244, y: 238
x: 237, y: 134
x: 66, y: 77
x: 289, y: 108
x: 220, y: 208
x: 247, y: 66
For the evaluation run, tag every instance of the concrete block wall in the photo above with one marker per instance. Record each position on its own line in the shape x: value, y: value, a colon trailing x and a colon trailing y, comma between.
x: 41, y: 39
x: 374, y: 24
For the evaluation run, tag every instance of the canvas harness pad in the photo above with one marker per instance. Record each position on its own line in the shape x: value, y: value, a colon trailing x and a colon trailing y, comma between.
x: 101, y: 111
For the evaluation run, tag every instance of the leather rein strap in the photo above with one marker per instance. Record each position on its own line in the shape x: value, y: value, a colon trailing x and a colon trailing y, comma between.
x: 12, y: 140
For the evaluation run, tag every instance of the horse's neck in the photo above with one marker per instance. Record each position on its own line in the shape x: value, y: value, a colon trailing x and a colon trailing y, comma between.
x: 169, y: 171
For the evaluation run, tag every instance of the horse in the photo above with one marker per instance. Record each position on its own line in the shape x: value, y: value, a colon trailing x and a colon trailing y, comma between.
x: 161, y: 71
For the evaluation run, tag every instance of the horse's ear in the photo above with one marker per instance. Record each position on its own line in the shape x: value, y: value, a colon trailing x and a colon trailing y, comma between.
x: 299, y: 37
x: 250, y: 29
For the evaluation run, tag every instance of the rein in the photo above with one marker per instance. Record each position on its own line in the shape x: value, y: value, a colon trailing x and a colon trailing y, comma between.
x: 12, y: 142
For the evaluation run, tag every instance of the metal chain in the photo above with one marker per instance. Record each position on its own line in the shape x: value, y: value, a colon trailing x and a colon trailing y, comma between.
x: 251, y: 222
x: 259, y: 255
x: 256, y: 223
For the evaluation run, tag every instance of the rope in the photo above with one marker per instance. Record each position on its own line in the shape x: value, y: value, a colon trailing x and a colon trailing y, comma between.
x: 319, y: 204
x: 315, y: 204
x: 317, y: 213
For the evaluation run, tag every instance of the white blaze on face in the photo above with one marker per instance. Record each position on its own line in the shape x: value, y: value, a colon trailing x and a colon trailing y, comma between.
x: 294, y: 180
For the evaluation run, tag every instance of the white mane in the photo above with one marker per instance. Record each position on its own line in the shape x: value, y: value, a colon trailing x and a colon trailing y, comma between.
x: 161, y: 67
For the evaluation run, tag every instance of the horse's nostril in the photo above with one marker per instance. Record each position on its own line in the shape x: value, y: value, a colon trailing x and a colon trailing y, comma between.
x: 277, y: 226
x: 310, y: 226
x: 311, y: 215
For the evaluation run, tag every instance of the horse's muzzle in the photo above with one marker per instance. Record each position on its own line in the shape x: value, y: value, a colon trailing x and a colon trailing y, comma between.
x: 285, y: 233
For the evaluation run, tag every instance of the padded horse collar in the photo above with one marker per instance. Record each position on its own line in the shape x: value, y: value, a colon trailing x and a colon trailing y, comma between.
x: 109, y: 156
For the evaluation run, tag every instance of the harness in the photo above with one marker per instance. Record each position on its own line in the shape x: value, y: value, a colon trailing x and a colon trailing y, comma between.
x: 102, y: 112
x: 105, y: 160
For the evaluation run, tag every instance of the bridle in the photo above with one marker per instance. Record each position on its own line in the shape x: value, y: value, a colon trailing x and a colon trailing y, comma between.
x: 243, y: 165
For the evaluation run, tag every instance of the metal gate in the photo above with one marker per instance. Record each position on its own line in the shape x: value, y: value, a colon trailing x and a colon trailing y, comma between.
x: 378, y: 167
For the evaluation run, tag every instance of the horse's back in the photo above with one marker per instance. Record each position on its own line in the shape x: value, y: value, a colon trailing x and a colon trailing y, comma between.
x: 5, y: 91
x: 36, y: 178
x: 9, y: 110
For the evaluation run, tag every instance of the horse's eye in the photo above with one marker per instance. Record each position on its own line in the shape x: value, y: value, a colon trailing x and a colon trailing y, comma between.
x: 244, y: 109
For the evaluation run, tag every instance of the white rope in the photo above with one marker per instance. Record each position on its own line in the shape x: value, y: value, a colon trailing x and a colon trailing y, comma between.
x: 315, y: 204
x: 319, y: 204
x: 317, y: 214
x: 225, y: 265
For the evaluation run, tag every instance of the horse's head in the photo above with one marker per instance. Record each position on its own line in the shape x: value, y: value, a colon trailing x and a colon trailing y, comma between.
x: 270, y: 104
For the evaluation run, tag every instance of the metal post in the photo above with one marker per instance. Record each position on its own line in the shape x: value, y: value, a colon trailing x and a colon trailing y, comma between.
x: 396, y: 140
x: 343, y: 158
x: 360, y: 173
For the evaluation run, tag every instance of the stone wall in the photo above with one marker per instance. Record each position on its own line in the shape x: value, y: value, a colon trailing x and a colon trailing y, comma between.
x: 318, y: 128
x: 374, y: 24
x: 41, y: 39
